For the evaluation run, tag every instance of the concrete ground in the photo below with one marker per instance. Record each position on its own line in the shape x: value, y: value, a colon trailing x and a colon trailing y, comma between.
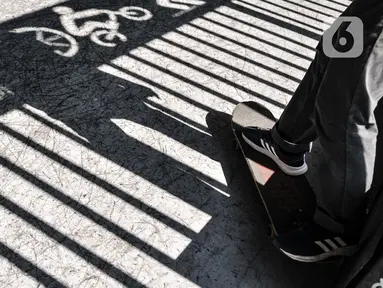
x: 116, y: 160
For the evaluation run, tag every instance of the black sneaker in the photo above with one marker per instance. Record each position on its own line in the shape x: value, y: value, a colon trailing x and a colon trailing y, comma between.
x: 313, y: 243
x: 261, y: 140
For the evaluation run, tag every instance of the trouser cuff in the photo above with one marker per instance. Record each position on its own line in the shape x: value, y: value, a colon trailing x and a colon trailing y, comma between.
x: 288, y: 146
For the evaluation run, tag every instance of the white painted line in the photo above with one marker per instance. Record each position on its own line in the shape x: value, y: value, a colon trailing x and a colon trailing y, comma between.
x: 96, y: 199
x: 103, y: 168
x: 276, y: 29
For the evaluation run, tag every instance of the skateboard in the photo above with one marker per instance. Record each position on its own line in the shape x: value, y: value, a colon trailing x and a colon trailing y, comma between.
x: 289, y: 201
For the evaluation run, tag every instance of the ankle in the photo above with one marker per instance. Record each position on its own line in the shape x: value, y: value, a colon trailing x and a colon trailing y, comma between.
x: 289, y: 147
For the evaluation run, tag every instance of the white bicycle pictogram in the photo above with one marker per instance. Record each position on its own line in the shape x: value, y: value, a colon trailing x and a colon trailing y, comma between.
x: 101, y: 33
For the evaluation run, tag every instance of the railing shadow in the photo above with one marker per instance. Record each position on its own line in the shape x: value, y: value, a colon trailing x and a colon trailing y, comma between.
x: 73, y: 246
x: 276, y: 21
x: 28, y: 267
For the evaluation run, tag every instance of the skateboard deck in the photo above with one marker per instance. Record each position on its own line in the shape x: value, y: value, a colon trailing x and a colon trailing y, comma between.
x: 289, y: 201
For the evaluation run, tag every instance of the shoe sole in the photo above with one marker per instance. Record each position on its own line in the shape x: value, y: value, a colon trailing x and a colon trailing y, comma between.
x: 290, y: 170
x: 344, y: 251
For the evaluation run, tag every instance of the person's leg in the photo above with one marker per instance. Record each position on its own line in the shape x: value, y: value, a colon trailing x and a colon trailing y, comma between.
x: 342, y: 93
x: 296, y: 124
x: 338, y: 96
x: 347, y: 131
x: 295, y: 129
x: 292, y: 135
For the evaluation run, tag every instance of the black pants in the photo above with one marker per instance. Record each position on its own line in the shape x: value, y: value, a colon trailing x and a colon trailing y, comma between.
x: 335, y: 105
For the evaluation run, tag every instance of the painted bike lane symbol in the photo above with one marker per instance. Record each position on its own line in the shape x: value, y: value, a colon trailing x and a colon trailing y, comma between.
x: 101, y: 33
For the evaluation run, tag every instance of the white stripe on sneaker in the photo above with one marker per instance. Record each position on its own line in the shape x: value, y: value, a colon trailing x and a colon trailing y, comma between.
x: 272, y: 150
x: 290, y: 170
x: 267, y: 146
x: 332, y: 244
x: 263, y: 143
x: 322, y: 245
x: 340, y: 241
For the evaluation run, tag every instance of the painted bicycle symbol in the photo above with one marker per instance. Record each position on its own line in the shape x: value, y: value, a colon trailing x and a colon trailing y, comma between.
x: 101, y: 33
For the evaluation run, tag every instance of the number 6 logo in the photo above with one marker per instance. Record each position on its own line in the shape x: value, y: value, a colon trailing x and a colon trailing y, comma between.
x: 344, y: 39
x: 378, y: 285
